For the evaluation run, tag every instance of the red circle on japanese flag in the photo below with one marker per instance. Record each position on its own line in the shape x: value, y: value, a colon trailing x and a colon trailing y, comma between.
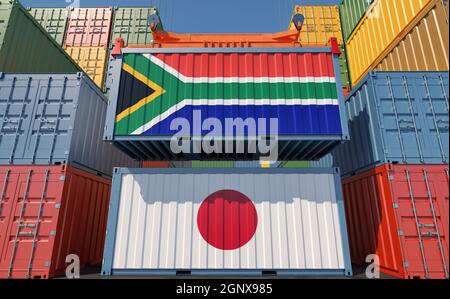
x: 227, y: 219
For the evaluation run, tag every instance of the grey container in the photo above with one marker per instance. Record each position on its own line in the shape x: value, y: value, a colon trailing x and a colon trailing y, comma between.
x: 55, y: 119
x: 395, y: 117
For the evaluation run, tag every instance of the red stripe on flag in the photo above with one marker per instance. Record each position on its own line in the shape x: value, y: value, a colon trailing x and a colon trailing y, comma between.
x: 250, y: 64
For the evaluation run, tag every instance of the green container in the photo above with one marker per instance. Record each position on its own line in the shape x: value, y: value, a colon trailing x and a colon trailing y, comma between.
x: 54, y: 21
x: 343, y: 66
x: 25, y: 46
x: 131, y: 24
x: 352, y: 12
x: 296, y: 164
x: 213, y: 164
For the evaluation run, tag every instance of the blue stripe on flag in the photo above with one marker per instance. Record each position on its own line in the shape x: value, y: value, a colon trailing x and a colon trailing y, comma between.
x: 292, y: 119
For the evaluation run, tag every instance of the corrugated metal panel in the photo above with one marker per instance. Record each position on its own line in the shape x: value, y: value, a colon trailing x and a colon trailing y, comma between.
x: 89, y: 27
x: 54, y: 21
x: 294, y: 222
x: 380, y: 207
x: 250, y: 84
x: 212, y: 164
x: 321, y: 23
x: 48, y: 119
x: 396, y: 117
x: 351, y: 12
x: 131, y: 24
x: 48, y: 213
x: 92, y: 60
x: 424, y: 48
x: 364, y: 51
x: 25, y: 47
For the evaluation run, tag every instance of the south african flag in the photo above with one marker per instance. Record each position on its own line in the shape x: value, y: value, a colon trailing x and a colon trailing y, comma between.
x: 298, y: 89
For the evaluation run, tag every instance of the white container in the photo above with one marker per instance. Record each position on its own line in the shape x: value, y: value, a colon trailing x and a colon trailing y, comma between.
x: 273, y: 221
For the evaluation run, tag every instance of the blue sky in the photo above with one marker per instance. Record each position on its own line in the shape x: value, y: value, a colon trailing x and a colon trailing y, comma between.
x: 208, y: 16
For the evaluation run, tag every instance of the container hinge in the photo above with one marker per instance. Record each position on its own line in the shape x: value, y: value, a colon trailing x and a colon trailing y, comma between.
x: 405, y: 264
x: 53, y: 232
x: 400, y: 232
x: 57, y: 206
x: 395, y: 205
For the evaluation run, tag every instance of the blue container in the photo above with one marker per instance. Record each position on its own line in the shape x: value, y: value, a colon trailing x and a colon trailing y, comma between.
x: 395, y: 117
x: 55, y: 119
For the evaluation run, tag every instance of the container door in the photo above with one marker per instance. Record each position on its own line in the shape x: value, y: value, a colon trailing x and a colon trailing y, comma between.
x: 423, y: 220
x: 28, y: 215
x: 405, y: 134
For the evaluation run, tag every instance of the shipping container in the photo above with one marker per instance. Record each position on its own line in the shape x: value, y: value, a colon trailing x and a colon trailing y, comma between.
x: 25, y: 47
x: 89, y: 27
x: 47, y: 214
x: 396, y: 117
x: 155, y: 164
x: 296, y: 164
x: 425, y: 47
x: 343, y: 67
x: 92, y: 60
x: 320, y: 24
x: 257, y: 164
x: 380, y: 31
x: 226, y: 222
x: 400, y: 213
x: 153, y: 89
x: 53, y: 20
x: 55, y: 119
x: 212, y: 164
x: 351, y: 13
x: 132, y: 24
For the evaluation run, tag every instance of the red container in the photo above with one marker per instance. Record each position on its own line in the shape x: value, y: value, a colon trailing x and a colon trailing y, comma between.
x: 155, y: 164
x: 89, y: 27
x: 386, y: 208
x: 47, y: 213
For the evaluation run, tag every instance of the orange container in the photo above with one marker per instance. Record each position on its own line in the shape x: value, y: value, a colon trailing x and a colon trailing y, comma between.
x: 48, y: 213
x: 401, y: 214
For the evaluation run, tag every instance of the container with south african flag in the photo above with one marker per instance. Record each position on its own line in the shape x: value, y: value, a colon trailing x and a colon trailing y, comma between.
x: 222, y: 103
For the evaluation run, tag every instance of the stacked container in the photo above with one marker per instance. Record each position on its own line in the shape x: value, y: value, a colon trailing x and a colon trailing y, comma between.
x: 222, y: 216
x: 322, y: 23
x: 55, y: 170
x: 87, y: 40
x: 395, y: 166
x: 53, y: 20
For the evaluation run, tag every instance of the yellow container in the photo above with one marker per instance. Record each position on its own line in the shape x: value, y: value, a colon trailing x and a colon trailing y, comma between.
x: 379, y: 31
x: 321, y: 23
x: 92, y: 60
x: 423, y: 48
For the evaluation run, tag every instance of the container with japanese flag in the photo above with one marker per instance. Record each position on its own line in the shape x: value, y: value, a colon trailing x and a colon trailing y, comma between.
x: 226, y: 222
